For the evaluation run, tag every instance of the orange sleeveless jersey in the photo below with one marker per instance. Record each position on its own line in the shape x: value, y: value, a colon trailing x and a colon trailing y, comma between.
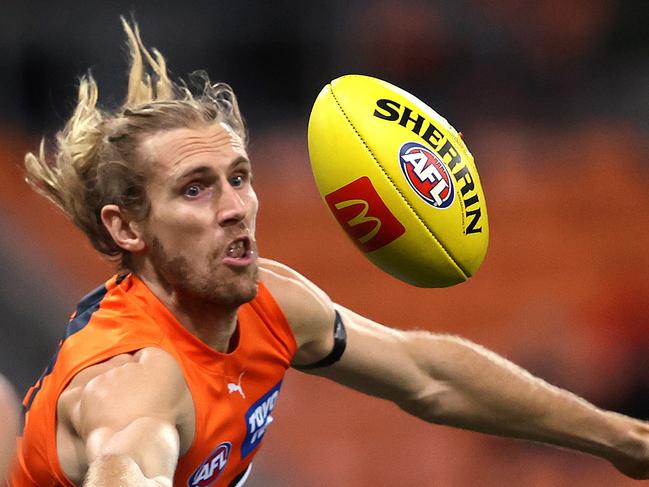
x: 234, y: 394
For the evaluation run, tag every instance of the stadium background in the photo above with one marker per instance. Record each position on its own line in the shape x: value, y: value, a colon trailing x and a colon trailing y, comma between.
x: 553, y: 99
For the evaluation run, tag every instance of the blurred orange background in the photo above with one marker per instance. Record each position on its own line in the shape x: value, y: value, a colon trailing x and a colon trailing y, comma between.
x: 563, y: 290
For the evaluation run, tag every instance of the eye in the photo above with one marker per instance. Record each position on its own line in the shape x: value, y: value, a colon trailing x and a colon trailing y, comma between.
x: 237, y: 181
x: 193, y: 190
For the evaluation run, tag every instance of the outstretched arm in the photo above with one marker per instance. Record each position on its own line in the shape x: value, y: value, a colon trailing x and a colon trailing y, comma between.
x: 448, y: 380
x: 125, y: 419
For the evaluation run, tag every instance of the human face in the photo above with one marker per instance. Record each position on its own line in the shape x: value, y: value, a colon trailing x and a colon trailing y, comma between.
x: 200, y: 232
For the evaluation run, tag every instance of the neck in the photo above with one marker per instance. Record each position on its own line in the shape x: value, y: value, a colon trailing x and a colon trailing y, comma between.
x: 212, y: 323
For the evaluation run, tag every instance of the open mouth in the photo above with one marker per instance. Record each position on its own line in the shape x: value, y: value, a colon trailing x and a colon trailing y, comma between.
x: 239, y: 248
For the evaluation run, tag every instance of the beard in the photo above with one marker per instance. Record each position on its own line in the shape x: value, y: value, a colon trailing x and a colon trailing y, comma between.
x: 212, y: 284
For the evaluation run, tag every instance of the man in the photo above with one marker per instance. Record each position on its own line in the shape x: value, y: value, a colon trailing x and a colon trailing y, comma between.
x: 168, y: 374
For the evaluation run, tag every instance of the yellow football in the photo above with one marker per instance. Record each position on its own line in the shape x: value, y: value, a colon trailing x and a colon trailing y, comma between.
x: 399, y: 180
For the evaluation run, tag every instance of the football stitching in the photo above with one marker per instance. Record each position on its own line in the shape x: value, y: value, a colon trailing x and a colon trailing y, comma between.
x: 465, y: 274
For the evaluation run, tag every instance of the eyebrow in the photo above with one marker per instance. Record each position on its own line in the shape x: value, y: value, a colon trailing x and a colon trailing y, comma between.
x: 240, y: 160
x: 195, y: 171
x: 203, y: 170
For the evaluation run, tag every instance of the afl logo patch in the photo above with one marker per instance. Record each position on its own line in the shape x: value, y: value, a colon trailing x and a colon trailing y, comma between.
x: 426, y: 174
x: 211, y: 469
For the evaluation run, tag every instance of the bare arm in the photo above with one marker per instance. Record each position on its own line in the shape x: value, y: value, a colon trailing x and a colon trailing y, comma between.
x: 451, y: 381
x: 9, y: 425
x: 144, y: 453
x: 447, y: 380
x: 125, y: 418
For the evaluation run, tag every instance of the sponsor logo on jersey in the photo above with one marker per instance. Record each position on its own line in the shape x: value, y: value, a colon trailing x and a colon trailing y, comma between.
x: 258, y: 418
x: 365, y: 217
x: 236, y: 386
x: 426, y: 174
x: 211, y: 469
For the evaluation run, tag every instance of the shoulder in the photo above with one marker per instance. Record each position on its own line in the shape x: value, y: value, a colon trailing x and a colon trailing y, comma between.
x: 299, y: 298
x: 308, y: 309
x: 124, y: 387
x: 131, y: 404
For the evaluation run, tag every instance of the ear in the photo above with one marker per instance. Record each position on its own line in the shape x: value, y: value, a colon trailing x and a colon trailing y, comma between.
x: 125, y: 233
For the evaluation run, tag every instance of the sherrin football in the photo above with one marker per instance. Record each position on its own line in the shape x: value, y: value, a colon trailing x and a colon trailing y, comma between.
x: 399, y: 180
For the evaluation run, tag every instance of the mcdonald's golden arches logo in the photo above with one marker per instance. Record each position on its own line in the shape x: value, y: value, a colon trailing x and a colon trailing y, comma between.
x: 365, y: 217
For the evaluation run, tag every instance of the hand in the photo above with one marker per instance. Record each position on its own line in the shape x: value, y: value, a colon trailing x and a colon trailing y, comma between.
x: 633, y: 459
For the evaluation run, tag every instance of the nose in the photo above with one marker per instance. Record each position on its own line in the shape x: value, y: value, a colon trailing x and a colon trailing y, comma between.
x: 232, y: 207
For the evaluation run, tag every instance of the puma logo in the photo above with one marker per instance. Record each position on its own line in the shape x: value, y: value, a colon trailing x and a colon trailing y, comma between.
x: 232, y: 387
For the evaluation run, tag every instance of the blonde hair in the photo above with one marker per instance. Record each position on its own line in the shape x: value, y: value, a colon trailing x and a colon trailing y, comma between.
x: 95, y: 160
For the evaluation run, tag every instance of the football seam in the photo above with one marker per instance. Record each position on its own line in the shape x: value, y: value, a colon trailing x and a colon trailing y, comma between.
x: 465, y: 274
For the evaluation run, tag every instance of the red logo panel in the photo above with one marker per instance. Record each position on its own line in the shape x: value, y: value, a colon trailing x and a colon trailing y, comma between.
x: 362, y: 213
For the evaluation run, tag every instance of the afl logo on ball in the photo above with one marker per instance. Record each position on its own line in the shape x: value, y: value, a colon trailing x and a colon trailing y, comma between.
x: 426, y: 174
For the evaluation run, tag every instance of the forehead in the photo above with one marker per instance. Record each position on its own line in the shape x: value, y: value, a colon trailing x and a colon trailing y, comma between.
x: 169, y: 150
